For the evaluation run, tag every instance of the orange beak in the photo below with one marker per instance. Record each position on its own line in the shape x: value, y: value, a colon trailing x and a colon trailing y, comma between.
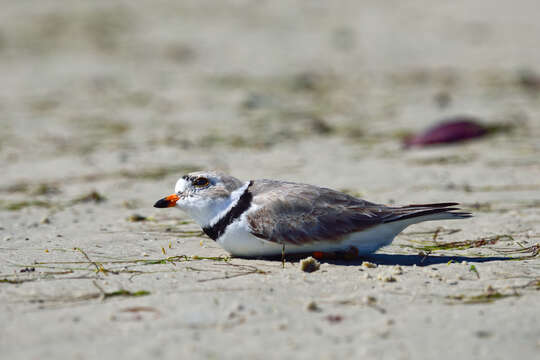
x: 166, y: 202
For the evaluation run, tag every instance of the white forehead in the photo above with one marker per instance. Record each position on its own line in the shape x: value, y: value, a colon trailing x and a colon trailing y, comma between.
x: 181, y: 185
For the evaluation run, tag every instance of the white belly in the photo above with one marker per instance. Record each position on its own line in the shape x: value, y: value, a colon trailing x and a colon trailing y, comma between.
x: 238, y: 241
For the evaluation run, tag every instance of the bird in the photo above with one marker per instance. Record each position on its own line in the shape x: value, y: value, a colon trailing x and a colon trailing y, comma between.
x: 265, y: 218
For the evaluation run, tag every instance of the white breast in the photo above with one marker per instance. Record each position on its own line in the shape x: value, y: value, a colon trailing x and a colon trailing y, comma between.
x: 239, y: 241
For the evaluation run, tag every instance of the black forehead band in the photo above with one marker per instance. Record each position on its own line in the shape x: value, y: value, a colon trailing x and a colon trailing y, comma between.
x: 190, y: 178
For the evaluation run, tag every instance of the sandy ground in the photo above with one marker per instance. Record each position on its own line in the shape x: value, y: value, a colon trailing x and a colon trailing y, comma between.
x: 103, y: 106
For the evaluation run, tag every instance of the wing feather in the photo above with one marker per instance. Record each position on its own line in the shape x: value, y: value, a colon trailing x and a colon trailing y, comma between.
x: 293, y: 213
x: 300, y: 214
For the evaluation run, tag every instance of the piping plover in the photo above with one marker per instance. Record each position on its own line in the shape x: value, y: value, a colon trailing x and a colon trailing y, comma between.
x: 263, y: 217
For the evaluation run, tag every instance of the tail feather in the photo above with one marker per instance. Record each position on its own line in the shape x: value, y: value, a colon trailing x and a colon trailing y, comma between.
x: 435, y: 205
x: 444, y: 211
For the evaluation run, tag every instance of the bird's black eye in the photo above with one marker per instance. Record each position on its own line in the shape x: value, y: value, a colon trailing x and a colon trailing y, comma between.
x: 200, y: 182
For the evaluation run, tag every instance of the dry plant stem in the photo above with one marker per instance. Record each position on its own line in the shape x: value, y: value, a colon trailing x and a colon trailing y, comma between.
x: 460, y: 245
x: 283, y: 256
x: 98, y: 267
x: 101, y: 291
x: 250, y: 270
x: 170, y: 259
x: 436, y: 234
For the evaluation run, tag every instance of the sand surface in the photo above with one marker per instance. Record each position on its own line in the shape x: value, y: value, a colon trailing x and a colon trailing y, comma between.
x: 103, y: 106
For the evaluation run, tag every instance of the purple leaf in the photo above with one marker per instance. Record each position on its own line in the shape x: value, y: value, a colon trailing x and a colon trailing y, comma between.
x: 453, y: 130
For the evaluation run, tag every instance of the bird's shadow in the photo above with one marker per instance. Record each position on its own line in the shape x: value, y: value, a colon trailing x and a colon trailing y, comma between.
x: 396, y: 259
x: 418, y: 260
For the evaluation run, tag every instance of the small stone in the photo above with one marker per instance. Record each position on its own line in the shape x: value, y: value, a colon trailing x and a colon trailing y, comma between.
x: 7, y: 238
x: 386, y: 278
x: 309, y: 265
x: 397, y: 270
x: 232, y: 315
x: 369, y: 265
x: 370, y: 300
x: 482, y: 334
x: 236, y: 310
x: 137, y: 218
x: 312, y: 306
x: 334, y: 319
x: 45, y: 220
x: 435, y: 276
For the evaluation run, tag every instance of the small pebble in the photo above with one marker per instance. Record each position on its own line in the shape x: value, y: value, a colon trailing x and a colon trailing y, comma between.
x: 369, y: 265
x: 334, y: 319
x: 312, y: 306
x: 386, y: 278
x: 309, y: 265
x: 370, y: 300
x: 397, y: 270
x: 137, y: 218
x: 483, y: 334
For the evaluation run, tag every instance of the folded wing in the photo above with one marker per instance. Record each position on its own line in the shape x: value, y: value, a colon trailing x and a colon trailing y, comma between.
x: 291, y: 213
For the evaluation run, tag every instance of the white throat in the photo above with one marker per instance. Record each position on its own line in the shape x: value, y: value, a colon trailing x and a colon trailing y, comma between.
x: 208, y: 211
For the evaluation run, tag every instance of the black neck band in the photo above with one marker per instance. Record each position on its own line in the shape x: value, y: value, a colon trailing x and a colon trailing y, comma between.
x: 236, y: 211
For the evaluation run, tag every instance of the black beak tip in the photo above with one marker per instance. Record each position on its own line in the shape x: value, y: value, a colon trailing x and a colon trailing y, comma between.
x: 161, y: 203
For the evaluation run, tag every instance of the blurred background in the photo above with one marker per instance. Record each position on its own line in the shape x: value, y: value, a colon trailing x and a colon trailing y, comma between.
x: 105, y: 104
x: 315, y: 91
